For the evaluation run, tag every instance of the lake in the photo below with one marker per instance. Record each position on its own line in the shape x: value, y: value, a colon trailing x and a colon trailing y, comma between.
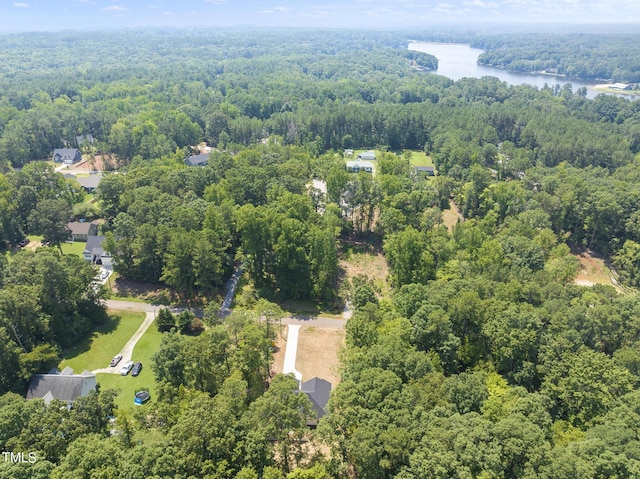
x: 456, y: 60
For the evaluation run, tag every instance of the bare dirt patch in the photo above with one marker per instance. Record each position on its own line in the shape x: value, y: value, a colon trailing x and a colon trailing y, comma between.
x: 97, y: 163
x: 317, y: 354
x: 452, y: 216
x: 359, y: 258
x: 149, y: 292
x: 593, y: 270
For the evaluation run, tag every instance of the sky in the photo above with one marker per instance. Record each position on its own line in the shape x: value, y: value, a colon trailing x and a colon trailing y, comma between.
x: 38, y: 15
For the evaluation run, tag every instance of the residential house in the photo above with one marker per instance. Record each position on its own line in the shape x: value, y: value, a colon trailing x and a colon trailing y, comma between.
x: 80, y: 231
x: 367, y: 155
x: 359, y: 165
x: 68, y: 156
x: 64, y: 386
x: 318, y: 391
x: 425, y: 170
x: 198, y: 160
x: 84, y: 139
x: 95, y: 253
x: 89, y: 183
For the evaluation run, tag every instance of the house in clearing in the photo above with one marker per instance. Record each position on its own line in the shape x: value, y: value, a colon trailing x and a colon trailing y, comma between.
x: 367, y: 155
x: 424, y: 170
x: 95, y: 253
x: 68, y: 156
x: 356, y: 166
x: 63, y: 386
x: 80, y: 231
x: 89, y: 183
x: 318, y: 391
x: 198, y: 160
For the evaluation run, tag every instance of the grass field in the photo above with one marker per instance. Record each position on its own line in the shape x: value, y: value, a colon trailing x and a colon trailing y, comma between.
x: 107, y: 340
x: 420, y: 158
x: 362, y: 259
x: 76, y: 248
x: 128, y: 385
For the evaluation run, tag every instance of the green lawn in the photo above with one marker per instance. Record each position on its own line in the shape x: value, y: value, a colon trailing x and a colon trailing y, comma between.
x: 127, y: 385
x: 107, y: 340
x: 420, y: 158
x: 76, y: 248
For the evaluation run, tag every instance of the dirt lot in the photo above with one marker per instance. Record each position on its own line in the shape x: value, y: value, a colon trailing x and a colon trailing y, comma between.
x: 593, y: 271
x: 317, y: 353
x: 451, y: 216
x: 99, y: 163
x: 359, y: 258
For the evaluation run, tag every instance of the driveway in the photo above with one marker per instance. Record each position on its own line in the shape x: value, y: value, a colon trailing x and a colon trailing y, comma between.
x: 127, y: 350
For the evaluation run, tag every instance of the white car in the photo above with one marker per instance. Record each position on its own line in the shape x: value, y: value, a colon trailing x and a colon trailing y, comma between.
x: 126, y: 367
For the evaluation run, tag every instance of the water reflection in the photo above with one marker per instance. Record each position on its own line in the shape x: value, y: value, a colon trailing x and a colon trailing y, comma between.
x: 458, y: 61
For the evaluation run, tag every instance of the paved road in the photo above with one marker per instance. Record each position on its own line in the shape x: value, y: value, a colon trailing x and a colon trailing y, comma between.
x: 131, y: 306
x: 317, y: 321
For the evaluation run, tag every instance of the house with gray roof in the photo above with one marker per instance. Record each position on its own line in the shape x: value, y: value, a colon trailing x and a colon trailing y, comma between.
x: 94, y: 252
x: 356, y: 166
x: 318, y: 391
x: 68, y: 156
x: 367, y: 155
x: 425, y: 170
x: 198, y: 160
x: 89, y: 183
x: 63, y: 386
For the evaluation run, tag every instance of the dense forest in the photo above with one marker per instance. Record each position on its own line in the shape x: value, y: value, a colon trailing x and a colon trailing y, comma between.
x: 485, y: 359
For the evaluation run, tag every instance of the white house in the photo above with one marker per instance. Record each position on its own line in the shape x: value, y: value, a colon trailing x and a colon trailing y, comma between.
x: 359, y: 165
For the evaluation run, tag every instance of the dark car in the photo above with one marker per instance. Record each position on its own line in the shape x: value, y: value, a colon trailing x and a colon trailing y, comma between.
x: 24, y: 242
x: 136, y: 369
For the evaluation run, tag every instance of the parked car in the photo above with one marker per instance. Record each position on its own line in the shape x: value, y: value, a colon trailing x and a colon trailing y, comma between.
x: 104, y: 274
x: 126, y: 367
x: 141, y: 396
x: 136, y: 369
x: 116, y: 359
x: 24, y: 242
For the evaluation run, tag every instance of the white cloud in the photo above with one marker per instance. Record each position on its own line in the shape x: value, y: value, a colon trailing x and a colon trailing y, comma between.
x: 115, y: 8
x: 274, y: 10
x: 21, y: 5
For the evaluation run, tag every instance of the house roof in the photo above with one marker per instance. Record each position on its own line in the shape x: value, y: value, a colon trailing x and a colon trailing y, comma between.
x: 94, y: 245
x: 198, y: 160
x: 425, y: 168
x: 81, y: 139
x: 66, y: 152
x: 78, y: 228
x: 64, y: 386
x: 89, y: 182
x: 318, y: 391
x: 360, y: 164
x: 368, y: 155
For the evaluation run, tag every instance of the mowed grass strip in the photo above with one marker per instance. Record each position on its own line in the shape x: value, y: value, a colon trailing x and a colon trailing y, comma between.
x: 95, y: 351
x: 128, y: 385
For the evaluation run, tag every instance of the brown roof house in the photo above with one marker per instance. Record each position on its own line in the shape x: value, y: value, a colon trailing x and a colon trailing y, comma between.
x: 63, y: 386
x: 81, y: 230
